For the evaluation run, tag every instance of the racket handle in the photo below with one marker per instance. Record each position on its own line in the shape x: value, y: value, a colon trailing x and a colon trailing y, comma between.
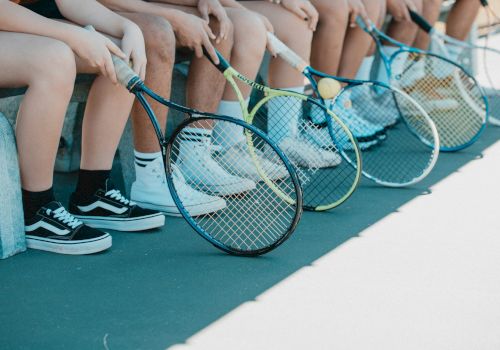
x: 124, y: 73
x: 222, y: 65
x: 286, y: 53
x: 366, y: 26
x: 420, y: 21
x: 484, y: 3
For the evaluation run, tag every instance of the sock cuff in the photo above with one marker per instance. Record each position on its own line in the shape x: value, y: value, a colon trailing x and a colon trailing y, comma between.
x: 195, y: 134
x: 147, y: 156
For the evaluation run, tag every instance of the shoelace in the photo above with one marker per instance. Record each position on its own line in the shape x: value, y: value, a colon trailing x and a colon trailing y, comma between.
x: 63, y: 216
x: 116, y: 194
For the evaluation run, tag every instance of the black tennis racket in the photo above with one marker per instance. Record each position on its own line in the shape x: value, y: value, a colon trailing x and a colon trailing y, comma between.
x: 250, y: 223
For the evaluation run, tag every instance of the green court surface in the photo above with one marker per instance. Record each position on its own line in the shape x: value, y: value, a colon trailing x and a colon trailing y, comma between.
x: 157, y: 289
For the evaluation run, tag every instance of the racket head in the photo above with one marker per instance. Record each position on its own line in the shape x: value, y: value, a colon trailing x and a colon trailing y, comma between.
x: 407, y: 150
x: 448, y: 93
x: 247, y: 224
x: 325, y: 155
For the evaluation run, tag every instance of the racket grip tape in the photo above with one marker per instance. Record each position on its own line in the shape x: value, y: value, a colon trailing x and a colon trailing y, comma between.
x: 420, y: 21
x: 124, y: 73
x: 286, y: 53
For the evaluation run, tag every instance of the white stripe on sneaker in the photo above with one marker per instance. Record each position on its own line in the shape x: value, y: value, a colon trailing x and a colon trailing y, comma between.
x: 46, y: 226
x: 100, y: 204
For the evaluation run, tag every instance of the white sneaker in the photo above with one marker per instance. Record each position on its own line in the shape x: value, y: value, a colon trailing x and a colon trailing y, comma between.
x: 150, y: 190
x: 321, y: 136
x: 304, y: 154
x: 432, y: 104
x: 237, y: 160
x: 203, y: 173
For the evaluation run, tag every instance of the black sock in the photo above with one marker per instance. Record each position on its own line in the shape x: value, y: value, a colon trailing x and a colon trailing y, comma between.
x: 32, y: 201
x: 89, y: 181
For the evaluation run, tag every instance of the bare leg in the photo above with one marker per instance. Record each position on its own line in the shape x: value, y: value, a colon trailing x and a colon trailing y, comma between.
x: 430, y: 12
x: 294, y: 33
x: 405, y: 31
x: 47, y: 67
x: 160, y: 49
x: 461, y: 17
x: 328, y: 39
x: 358, y: 44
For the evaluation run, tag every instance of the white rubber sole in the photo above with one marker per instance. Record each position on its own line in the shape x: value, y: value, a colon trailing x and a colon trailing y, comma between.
x: 82, y: 247
x: 194, y: 210
x: 127, y: 225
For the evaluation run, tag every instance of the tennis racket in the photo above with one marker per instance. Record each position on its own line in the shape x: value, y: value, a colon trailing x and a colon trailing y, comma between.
x: 462, y: 52
x: 250, y: 223
x: 447, y: 92
x: 329, y: 173
x: 410, y: 146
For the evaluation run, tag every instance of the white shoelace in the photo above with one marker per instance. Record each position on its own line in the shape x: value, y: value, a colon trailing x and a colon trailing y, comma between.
x: 116, y: 194
x: 63, y: 216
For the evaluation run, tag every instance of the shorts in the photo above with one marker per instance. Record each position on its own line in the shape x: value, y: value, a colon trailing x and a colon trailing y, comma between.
x: 46, y: 8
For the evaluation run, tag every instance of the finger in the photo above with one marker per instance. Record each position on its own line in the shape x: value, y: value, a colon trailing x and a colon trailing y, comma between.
x: 209, y: 32
x: 364, y: 15
x: 211, y: 50
x: 271, y: 49
x: 312, y: 14
x: 110, y: 70
x: 406, y: 14
x: 204, y: 13
x: 299, y: 12
x: 136, y: 64
x: 128, y: 55
x: 198, y: 51
x: 113, y: 48
x: 142, y: 71
x: 352, y: 19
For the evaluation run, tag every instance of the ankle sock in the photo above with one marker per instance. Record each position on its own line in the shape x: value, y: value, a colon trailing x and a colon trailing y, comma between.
x: 226, y: 134
x: 32, y: 201
x: 282, y: 122
x: 142, y: 159
x: 89, y: 181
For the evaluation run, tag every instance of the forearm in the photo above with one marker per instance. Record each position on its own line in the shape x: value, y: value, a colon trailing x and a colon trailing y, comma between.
x: 15, y: 18
x: 140, y: 6
x: 85, y: 12
x: 231, y: 3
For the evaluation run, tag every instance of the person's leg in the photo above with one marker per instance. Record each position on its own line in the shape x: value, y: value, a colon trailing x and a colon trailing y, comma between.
x: 430, y: 12
x: 358, y: 50
x: 328, y: 38
x: 294, y: 33
x: 404, y: 30
x: 461, y: 18
x: 96, y: 201
x: 47, y: 67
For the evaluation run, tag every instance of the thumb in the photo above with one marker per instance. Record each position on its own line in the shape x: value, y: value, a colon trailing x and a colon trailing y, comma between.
x: 114, y: 49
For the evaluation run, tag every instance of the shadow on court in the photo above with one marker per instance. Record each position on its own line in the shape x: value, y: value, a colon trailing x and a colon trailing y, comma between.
x: 156, y: 289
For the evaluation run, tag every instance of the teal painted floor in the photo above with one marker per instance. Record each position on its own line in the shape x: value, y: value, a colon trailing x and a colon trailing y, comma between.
x: 156, y: 289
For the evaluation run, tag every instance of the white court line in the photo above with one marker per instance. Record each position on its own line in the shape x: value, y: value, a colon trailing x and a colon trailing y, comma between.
x: 426, y: 278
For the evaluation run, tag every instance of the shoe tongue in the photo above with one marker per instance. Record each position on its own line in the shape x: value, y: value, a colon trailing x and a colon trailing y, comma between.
x: 54, y: 205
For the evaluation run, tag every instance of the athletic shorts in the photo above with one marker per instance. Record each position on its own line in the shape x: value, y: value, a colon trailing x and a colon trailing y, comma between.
x: 46, y: 8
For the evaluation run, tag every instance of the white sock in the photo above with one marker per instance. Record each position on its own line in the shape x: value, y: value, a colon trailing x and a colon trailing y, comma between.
x: 454, y: 52
x: 282, y: 122
x: 365, y: 69
x: 143, y: 159
x: 227, y: 134
x: 382, y: 71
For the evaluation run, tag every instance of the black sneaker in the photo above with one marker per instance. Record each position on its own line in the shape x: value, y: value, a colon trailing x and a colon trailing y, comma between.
x: 55, y: 230
x: 108, y: 209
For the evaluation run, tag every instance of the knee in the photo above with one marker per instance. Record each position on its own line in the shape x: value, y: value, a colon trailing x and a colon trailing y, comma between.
x: 245, y: 22
x: 159, y: 39
x: 55, y: 67
x: 332, y: 13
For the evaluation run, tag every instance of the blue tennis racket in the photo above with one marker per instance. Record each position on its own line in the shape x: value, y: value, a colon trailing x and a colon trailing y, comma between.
x: 449, y: 94
x: 480, y: 60
x: 406, y: 150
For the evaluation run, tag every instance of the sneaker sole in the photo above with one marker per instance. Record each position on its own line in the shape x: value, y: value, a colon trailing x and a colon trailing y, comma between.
x: 199, y: 210
x: 83, y: 247
x: 124, y: 224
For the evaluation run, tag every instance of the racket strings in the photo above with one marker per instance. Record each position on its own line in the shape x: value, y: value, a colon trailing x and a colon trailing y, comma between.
x: 448, y: 94
x: 405, y: 151
x: 314, y: 143
x: 249, y: 178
